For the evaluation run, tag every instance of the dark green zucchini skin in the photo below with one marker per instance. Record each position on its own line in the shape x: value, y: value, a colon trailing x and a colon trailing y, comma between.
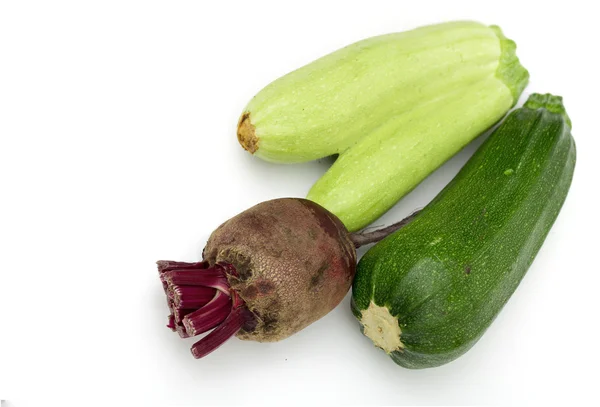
x: 447, y: 274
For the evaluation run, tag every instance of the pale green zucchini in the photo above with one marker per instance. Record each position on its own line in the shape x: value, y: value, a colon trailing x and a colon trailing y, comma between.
x: 369, y: 178
x: 327, y: 106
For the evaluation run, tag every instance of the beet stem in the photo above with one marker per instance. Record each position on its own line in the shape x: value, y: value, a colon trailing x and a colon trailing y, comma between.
x: 191, y: 296
x: 209, y: 316
x: 166, y: 265
x: 180, y: 329
x: 200, y: 299
x: 221, y: 334
x: 363, y: 238
x: 179, y: 313
x: 213, y: 277
x: 171, y: 323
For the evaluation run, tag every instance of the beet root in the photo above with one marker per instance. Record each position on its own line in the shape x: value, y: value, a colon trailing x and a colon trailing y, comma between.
x: 267, y: 273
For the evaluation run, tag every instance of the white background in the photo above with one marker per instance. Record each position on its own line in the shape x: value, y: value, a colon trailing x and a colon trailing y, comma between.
x: 118, y: 148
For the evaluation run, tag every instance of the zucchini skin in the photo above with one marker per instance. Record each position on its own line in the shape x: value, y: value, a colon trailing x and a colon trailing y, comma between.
x: 368, y: 179
x: 447, y: 274
x: 327, y: 106
x: 392, y: 159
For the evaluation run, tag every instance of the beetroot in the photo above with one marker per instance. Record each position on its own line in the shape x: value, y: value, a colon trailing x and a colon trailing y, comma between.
x: 267, y: 273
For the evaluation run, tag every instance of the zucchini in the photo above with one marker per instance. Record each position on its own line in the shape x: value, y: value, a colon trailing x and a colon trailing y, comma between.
x: 369, y: 178
x: 427, y: 293
x: 327, y: 106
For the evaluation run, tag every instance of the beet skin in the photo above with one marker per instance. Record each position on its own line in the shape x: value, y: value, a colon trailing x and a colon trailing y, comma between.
x: 295, y: 263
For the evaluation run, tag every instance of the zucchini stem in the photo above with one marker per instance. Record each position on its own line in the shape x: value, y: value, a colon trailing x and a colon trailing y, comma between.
x: 363, y: 238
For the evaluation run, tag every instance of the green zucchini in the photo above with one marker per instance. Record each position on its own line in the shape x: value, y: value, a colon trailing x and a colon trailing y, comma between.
x: 327, y: 106
x: 428, y: 292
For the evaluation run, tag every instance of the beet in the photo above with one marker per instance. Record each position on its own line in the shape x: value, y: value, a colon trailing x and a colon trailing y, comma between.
x: 267, y: 273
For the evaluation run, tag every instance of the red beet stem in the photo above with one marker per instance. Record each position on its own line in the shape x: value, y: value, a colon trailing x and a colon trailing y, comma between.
x: 171, y: 323
x: 192, y: 297
x: 212, y: 277
x: 179, y: 313
x: 200, y: 299
x: 180, y: 329
x: 209, y: 316
x: 221, y: 334
x: 166, y: 265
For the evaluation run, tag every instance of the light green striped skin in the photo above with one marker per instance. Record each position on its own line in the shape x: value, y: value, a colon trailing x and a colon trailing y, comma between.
x: 327, y: 106
x: 368, y: 179
x: 447, y: 275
